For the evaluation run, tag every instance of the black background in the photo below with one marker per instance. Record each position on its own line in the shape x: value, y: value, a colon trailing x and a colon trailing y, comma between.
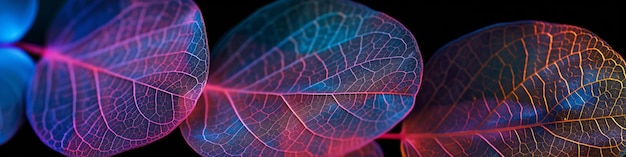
x: 432, y: 25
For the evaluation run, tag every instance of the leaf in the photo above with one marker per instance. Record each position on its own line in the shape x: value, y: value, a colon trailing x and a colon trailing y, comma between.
x: 118, y: 74
x: 369, y: 150
x: 526, y: 88
x: 305, y: 78
x: 17, y: 70
x: 17, y: 17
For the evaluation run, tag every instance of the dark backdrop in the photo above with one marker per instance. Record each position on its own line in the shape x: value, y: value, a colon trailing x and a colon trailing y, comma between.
x: 432, y: 25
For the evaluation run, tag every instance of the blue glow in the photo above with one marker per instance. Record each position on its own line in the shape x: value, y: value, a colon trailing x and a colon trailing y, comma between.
x: 17, y: 17
x: 16, y: 70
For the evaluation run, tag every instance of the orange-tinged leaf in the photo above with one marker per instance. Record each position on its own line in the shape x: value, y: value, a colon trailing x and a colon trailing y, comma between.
x: 525, y: 88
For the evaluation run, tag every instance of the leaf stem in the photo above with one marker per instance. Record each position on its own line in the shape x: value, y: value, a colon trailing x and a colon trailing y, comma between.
x: 391, y: 136
x: 32, y: 48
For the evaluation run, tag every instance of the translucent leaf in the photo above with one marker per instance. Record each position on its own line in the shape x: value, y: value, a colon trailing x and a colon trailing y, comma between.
x: 17, y: 16
x: 313, y: 78
x: 369, y: 150
x: 117, y: 74
x: 520, y: 89
x: 16, y: 72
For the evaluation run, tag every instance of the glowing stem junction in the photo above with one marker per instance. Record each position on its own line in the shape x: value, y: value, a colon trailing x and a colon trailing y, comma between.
x: 391, y: 136
x: 32, y: 48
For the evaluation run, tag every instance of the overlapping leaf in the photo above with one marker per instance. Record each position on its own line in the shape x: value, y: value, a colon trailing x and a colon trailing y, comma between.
x: 521, y: 89
x: 305, y: 78
x: 369, y: 150
x: 16, y: 72
x: 117, y: 74
x: 16, y: 68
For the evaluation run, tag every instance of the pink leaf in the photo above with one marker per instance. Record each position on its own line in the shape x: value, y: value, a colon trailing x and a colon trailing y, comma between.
x: 369, y: 150
x: 306, y: 78
x: 117, y: 74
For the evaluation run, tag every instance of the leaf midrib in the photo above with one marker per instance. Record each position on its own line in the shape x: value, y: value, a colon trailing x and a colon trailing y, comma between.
x: 218, y: 88
x: 462, y: 133
x: 55, y: 56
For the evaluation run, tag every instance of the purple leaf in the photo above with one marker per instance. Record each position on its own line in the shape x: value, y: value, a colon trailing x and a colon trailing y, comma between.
x: 369, y: 150
x: 525, y: 88
x: 117, y: 74
x: 306, y: 78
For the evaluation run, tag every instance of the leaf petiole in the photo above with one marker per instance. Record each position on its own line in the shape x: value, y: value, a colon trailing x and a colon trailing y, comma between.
x: 391, y: 136
x: 32, y: 49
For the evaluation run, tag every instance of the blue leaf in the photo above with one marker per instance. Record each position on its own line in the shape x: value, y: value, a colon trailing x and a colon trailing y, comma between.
x: 17, y: 16
x: 16, y: 70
